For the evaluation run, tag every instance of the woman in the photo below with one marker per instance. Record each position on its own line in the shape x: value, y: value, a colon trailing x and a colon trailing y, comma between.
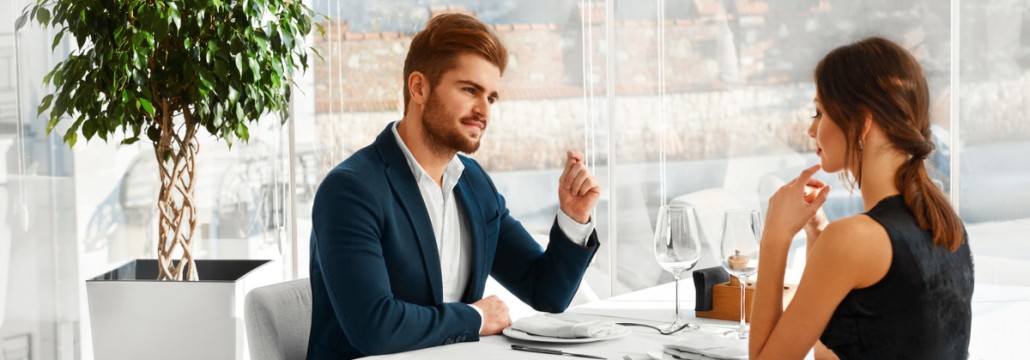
x: 894, y: 282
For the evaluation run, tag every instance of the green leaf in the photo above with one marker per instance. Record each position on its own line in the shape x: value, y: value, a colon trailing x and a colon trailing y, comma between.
x: 173, y: 15
x: 153, y: 133
x: 70, y: 137
x: 233, y: 94
x: 89, y: 128
x: 240, y: 116
x: 137, y: 41
x: 43, y: 15
x: 222, y: 68
x: 218, y: 114
x: 57, y: 39
x: 262, y: 44
x: 239, y: 62
x: 52, y: 123
x: 205, y: 78
x: 276, y: 80
x: 278, y: 67
x: 43, y: 105
x: 317, y: 53
x: 242, y: 132
x: 59, y: 105
x: 287, y: 38
x: 254, y: 68
x: 147, y: 106
x: 58, y: 76
x: 130, y: 141
x: 321, y: 28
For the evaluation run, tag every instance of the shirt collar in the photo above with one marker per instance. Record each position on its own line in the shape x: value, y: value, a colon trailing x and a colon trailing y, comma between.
x: 451, y: 174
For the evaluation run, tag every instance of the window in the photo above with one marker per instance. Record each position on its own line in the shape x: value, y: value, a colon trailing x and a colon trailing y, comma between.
x: 703, y: 102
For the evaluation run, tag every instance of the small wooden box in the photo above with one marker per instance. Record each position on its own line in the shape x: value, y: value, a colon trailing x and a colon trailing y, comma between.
x: 726, y: 300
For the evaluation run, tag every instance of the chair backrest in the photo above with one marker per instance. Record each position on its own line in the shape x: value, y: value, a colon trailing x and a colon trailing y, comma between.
x: 278, y: 320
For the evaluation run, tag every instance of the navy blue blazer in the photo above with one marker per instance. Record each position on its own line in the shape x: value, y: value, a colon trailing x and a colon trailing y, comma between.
x: 375, y: 269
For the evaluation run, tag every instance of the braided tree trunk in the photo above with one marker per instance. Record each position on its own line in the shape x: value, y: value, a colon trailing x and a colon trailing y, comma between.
x: 177, y: 216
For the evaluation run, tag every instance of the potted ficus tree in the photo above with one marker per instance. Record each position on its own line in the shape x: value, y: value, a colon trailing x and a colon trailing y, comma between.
x: 164, y: 71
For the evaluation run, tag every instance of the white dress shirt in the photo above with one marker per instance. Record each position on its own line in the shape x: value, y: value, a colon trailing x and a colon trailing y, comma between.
x: 451, y: 230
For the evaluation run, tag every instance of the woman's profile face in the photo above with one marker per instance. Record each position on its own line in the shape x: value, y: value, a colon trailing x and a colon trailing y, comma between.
x: 831, y: 146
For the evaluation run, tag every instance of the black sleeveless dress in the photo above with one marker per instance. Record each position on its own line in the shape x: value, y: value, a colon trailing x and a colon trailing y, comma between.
x: 919, y: 310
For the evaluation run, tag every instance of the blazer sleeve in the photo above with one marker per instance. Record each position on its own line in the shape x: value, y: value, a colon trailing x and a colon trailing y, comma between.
x: 547, y: 279
x: 349, y: 221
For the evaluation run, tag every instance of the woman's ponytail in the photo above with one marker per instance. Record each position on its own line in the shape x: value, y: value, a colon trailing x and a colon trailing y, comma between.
x: 931, y: 207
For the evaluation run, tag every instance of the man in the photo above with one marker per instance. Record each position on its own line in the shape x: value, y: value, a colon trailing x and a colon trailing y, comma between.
x: 406, y: 230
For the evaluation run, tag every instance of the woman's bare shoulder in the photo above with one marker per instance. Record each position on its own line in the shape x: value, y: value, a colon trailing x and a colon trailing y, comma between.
x: 856, y: 243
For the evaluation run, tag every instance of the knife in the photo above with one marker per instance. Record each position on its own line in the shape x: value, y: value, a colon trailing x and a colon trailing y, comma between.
x: 552, y: 352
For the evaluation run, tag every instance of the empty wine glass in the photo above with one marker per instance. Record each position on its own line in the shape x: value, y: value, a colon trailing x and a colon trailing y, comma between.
x: 741, y: 236
x: 677, y: 248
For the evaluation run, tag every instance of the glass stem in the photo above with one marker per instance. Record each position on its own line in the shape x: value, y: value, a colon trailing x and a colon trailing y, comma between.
x: 743, y: 290
x: 677, y: 299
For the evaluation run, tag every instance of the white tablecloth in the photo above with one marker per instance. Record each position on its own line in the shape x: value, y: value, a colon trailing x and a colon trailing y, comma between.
x: 1001, y: 327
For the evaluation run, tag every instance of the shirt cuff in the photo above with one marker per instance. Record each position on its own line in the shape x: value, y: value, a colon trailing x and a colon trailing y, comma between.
x: 578, y: 233
x: 480, y: 312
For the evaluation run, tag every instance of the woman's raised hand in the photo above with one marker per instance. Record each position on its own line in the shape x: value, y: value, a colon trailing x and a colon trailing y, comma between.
x: 797, y: 204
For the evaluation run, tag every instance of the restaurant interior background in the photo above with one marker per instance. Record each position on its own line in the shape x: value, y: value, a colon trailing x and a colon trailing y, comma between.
x: 704, y: 102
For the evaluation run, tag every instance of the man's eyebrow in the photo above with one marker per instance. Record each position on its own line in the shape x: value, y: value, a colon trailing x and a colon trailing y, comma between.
x: 479, y: 87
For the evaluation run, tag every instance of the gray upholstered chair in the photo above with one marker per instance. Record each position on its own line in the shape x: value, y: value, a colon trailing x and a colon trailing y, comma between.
x: 278, y: 319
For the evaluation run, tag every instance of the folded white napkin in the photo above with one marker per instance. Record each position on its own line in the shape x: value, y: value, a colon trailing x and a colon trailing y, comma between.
x: 701, y: 345
x: 546, y: 325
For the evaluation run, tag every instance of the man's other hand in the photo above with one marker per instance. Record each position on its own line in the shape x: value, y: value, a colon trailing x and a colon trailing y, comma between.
x: 495, y: 315
x: 578, y: 189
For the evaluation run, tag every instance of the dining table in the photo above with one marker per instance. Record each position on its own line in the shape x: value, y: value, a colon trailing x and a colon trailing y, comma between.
x: 1000, y: 328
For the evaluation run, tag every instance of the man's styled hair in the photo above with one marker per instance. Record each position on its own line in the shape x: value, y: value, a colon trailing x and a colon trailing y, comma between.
x: 433, y: 51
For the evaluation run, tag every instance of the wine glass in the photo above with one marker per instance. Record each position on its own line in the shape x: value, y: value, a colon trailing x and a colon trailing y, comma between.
x: 741, y: 235
x: 677, y: 248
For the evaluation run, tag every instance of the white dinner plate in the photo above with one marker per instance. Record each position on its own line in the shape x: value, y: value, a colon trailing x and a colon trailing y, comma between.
x: 522, y: 335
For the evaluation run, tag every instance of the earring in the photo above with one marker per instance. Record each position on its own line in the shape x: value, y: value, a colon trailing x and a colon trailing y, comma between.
x: 860, y: 148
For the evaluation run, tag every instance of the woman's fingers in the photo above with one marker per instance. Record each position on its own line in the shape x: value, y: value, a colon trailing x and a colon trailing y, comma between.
x: 807, y: 174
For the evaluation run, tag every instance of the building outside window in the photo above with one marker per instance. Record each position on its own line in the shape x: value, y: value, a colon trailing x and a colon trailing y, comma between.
x: 703, y: 102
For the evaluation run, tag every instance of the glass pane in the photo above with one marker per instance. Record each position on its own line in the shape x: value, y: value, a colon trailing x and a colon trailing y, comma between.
x: 713, y: 99
x: 994, y: 133
x: 39, y: 262
x: 543, y: 111
x: 67, y: 215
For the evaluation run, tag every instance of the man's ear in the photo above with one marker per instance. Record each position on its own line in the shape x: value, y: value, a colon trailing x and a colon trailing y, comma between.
x: 418, y: 87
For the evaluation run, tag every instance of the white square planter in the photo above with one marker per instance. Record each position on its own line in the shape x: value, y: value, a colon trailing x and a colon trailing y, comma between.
x: 134, y: 316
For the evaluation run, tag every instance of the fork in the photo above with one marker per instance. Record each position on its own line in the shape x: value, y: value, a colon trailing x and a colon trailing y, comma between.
x: 660, y: 331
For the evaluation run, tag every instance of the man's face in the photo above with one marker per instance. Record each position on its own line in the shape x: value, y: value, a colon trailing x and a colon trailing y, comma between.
x: 457, y: 109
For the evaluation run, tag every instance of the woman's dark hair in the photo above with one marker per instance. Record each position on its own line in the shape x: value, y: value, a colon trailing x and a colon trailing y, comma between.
x: 876, y: 78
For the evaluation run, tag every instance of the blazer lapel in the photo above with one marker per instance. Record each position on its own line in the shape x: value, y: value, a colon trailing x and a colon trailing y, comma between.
x: 402, y: 181
x: 474, y: 219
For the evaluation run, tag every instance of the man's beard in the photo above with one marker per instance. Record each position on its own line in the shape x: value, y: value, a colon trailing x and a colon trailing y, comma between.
x: 441, y: 136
